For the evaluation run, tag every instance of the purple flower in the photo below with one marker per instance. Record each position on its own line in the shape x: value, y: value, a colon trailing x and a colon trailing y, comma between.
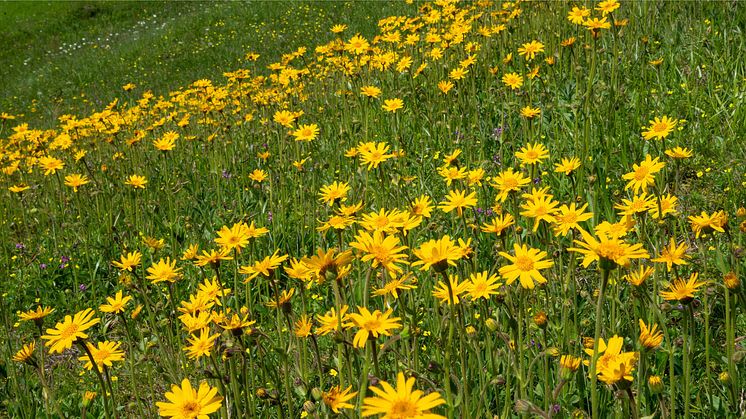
x: 64, y: 259
x: 555, y: 408
x: 480, y: 211
x: 269, y: 216
x: 82, y: 287
x: 226, y: 174
x: 20, y: 246
x: 537, y: 181
x: 43, y: 266
x: 497, y: 132
x: 489, y: 212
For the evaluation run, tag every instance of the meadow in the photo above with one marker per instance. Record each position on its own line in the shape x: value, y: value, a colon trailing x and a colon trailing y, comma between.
x: 363, y: 209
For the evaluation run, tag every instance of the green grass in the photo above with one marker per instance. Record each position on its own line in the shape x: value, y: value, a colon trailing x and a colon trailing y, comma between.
x: 485, y: 357
x: 73, y: 57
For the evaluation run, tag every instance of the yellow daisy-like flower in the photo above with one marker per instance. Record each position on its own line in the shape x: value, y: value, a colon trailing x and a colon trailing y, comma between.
x: 483, y: 285
x: 673, y: 254
x: 530, y: 112
x: 50, y: 165
x: 375, y: 323
x: 116, y: 304
x: 542, y: 208
x: 607, y: 6
x: 512, y: 80
x: 25, y: 354
x: 567, y: 218
x: 450, y: 292
x: 642, y: 175
x: 76, y: 180
x: 258, y: 175
x: 370, y: 91
x: 707, y: 223
x: 683, y: 291
x: 187, y: 403
x: 659, y: 128
x: 264, y: 267
x: 201, y: 345
x: 136, y: 181
x: 37, y: 314
x: 104, y: 353
x: 375, y: 155
x: 650, y: 337
x: 329, y: 264
x: 68, y: 331
x: 578, y: 14
x: 530, y: 49
x: 306, y: 132
x: 532, y: 153
x: 438, y: 254
x: 679, y: 153
x: 357, y: 45
x: 334, y: 192
x: 337, y: 399
x: 509, y: 181
x: 128, y: 261
x: 525, y: 266
x: 401, y: 402
x: 499, y: 224
x: 381, y: 250
x: 392, y: 105
x: 458, y: 200
x: 567, y: 166
x: 609, y: 251
x: 164, y: 270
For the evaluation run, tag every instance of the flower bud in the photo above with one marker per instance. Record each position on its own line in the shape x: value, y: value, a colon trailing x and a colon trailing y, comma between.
x: 491, y: 324
x: 724, y: 377
x: 731, y: 281
x: 316, y: 393
x: 540, y: 319
x: 309, y: 406
x: 655, y: 383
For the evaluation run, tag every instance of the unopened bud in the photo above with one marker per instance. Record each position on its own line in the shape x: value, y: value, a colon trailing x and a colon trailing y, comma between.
x: 491, y: 324
x: 655, y: 383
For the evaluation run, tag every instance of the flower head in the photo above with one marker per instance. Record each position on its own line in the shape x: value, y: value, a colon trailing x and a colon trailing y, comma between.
x: 401, y: 402
x: 187, y: 403
x: 68, y: 331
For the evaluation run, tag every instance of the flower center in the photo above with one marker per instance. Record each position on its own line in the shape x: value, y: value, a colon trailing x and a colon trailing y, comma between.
x: 403, y: 409
x: 70, y: 331
x: 190, y: 409
x: 524, y: 263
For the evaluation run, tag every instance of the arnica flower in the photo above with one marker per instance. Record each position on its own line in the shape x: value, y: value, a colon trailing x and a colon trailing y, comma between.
x: 707, y: 223
x: 357, y: 45
x: 136, y: 181
x: 422, y: 206
x: 402, y: 401
x: 683, y: 291
x: 25, y: 354
x: 532, y: 153
x: 512, y: 80
x: 104, y: 354
x: 525, y: 266
x: 370, y: 91
x: 530, y: 112
x: 679, y: 153
x: 613, y: 365
x: 334, y: 193
x: 201, y: 345
x: 530, y: 49
x: 128, y: 261
x: 642, y: 175
x: 498, y: 225
x: 264, y: 267
x: 567, y: 218
x: 330, y: 321
x: 187, y: 403
x: 610, y: 252
x: 450, y: 292
x: 637, y: 205
x: 75, y: 181
x: 115, y: 304
x: 337, y: 399
x: 567, y: 166
x: 381, y: 250
x: 578, y: 14
x: 284, y: 118
x: 213, y: 257
x: 607, y: 6
x: 67, y: 332
x: 375, y: 324
x: 659, y: 128
x: 51, y: 165
x: 458, y: 200
x: 509, y: 181
x: 258, y: 175
x: 307, y: 132
x: 376, y: 154
x: 673, y: 254
x: 330, y: 264
x: 541, y: 208
x: 731, y: 281
x: 392, y: 105
x: 438, y: 254
x: 36, y: 315
x: 164, y: 270
x: 638, y: 277
x: 394, y: 286
x: 302, y: 326
x: 650, y: 337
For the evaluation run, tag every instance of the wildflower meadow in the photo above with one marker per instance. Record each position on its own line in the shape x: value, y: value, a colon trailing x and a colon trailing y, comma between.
x: 421, y: 210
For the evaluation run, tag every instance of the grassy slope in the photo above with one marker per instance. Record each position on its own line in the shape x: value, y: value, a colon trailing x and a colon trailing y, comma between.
x: 70, y: 57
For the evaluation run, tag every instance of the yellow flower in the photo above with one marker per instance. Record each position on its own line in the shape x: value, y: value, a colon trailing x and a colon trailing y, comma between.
x: 499, y: 224
x: 381, y: 250
x: 567, y: 166
x: 75, y: 181
x: 679, y: 153
x: 673, y: 254
x: 164, y: 270
x: 438, y: 254
x: 530, y: 49
x: 402, y: 401
x: 392, y: 105
x: 325, y: 264
x: 683, y: 291
x: 51, y: 165
x: 201, y: 345
x: 445, y: 86
x: 104, y: 353
x: 337, y: 399
x: 642, y: 174
x: 509, y: 181
x: 458, y: 200
x: 659, y: 128
x: 707, y: 223
x: 607, y: 6
x: 450, y: 292
x: 370, y: 91
x: 422, y: 206
x: 357, y: 45
x: 258, y: 175
x: 393, y: 287
x: 578, y: 14
x: 67, y: 332
x: 609, y: 251
x: 532, y: 153
x: 167, y: 142
x: 595, y: 24
x: 540, y: 208
x: 186, y: 403
x: 375, y: 154
x: 530, y: 112
x: 512, y: 80
x: 567, y: 218
x: 375, y: 323
x: 335, y: 192
x: 637, y: 278
x: 116, y: 304
x: 307, y: 132
x: 338, y: 28
x: 25, y: 354
x: 525, y: 266
x: 264, y: 267
x: 136, y: 181
x: 302, y: 327
x: 650, y: 337
x: 284, y: 118
x: 483, y: 285
x: 331, y: 321
x: 37, y: 314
